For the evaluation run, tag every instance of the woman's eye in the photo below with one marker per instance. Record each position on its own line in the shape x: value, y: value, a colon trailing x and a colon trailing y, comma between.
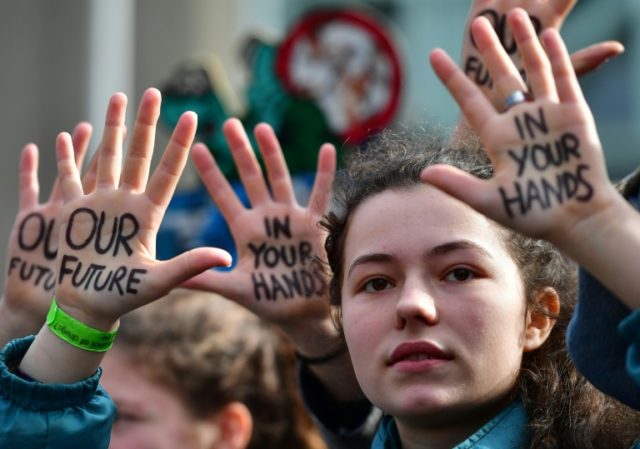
x: 376, y: 285
x: 460, y: 275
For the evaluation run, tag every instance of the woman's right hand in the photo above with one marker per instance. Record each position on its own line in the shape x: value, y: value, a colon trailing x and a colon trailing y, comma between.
x: 278, y: 274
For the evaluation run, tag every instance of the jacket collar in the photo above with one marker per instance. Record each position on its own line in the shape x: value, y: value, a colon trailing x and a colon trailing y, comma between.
x: 507, y: 430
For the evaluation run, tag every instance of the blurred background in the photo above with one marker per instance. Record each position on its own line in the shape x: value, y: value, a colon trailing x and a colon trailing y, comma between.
x: 61, y: 60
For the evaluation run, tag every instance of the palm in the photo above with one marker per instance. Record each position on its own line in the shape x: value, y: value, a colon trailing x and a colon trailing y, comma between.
x: 94, y: 259
x: 544, y: 157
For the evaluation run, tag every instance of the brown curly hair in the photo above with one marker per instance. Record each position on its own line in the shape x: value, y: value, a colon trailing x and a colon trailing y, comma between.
x: 211, y: 352
x: 564, y: 409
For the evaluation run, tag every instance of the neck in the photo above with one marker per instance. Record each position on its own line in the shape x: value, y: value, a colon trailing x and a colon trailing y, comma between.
x: 445, y: 434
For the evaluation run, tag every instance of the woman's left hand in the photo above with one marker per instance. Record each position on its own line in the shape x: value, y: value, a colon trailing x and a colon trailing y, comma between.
x: 550, y: 178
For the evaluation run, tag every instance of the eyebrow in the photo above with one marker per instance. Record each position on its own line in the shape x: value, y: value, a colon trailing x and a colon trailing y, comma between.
x: 440, y: 250
x: 458, y: 245
x: 368, y: 258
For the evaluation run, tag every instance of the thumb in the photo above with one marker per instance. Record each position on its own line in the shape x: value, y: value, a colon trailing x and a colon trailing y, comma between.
x: 173, y: 272
x: 231, y: 285
x: 460, y: 185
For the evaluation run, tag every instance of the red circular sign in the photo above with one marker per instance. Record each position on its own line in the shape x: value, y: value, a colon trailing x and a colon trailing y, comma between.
x: 345, y: 61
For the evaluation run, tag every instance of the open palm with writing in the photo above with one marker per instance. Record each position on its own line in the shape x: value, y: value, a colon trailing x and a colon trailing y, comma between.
x: 33, y: 244
x: 106, y: 262
x: 550, y: 176
x: 543, y: 14
x: 277, y: 275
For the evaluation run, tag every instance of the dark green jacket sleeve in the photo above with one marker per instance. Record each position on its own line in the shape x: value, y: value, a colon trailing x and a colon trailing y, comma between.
x: 35, y: 415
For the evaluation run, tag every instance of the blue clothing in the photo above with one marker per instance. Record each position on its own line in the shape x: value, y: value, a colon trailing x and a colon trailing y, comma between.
x: 596, y: 345
x: 507, y: 430
x: 35, y: 415
x: 630, y: 331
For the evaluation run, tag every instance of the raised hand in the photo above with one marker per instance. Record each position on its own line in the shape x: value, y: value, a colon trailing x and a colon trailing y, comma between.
x: 550, y: 179
x: 33, y: 246
x: 544, y: 14
x: 106, y: 258
x: 277, y: 275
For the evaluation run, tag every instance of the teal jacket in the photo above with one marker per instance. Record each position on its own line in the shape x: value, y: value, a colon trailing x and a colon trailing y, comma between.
x: 629, y: 329
x: 35, y: 415
x: 507, y: 430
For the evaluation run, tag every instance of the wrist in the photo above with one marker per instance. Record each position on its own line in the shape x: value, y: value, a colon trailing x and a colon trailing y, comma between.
x: 88, y: 317
x: 51, y: 360
x: 17, y: 323
x: 591, y: 231
x: 313, y: 337
x: 77, y: 333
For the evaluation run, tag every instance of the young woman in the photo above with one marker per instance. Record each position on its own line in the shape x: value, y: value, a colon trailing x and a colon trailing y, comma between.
x: 455, y: 326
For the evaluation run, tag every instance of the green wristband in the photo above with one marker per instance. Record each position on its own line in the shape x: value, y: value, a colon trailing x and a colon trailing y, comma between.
x: 76, y: 333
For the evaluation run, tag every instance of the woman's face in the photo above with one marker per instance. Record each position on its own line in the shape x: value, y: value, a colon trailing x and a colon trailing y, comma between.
x: 150, y: 416
x: 433, y: 307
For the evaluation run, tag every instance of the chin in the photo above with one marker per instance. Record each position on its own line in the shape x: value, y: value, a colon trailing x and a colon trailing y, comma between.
x: 430, y: 407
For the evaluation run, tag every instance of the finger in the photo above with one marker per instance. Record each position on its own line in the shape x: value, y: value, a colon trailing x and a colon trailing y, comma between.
x: 276, y: 166
x: 565, y: 78
x: 533, y: 56
x: 321, y: 192
x: 110, y: 152
x: 226, y: 284
x: 136, y: 167
x: 217, y: 185
x: 80, y: 139
x: 68, y: 175
x: 165, y: 178
x: 506, y: 77
x: 171, y: 273
x: 29, y: 186
x: 590, y: 58
x: 461, y: 185
x: 89, y: 178
x: 246, y: 162
x: 474, y: 104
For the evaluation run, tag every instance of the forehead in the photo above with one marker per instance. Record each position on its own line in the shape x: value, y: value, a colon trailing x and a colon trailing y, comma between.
x: 420, y: 217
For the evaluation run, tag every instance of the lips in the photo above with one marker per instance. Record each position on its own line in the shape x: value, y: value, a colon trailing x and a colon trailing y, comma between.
x: 417, y: 352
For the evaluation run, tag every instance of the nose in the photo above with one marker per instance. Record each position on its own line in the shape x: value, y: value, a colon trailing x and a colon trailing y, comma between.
x: 416, y: 305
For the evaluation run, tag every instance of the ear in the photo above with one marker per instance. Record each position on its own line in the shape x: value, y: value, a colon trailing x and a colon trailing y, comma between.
x: 235, y: 426
x: 539, y: 321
